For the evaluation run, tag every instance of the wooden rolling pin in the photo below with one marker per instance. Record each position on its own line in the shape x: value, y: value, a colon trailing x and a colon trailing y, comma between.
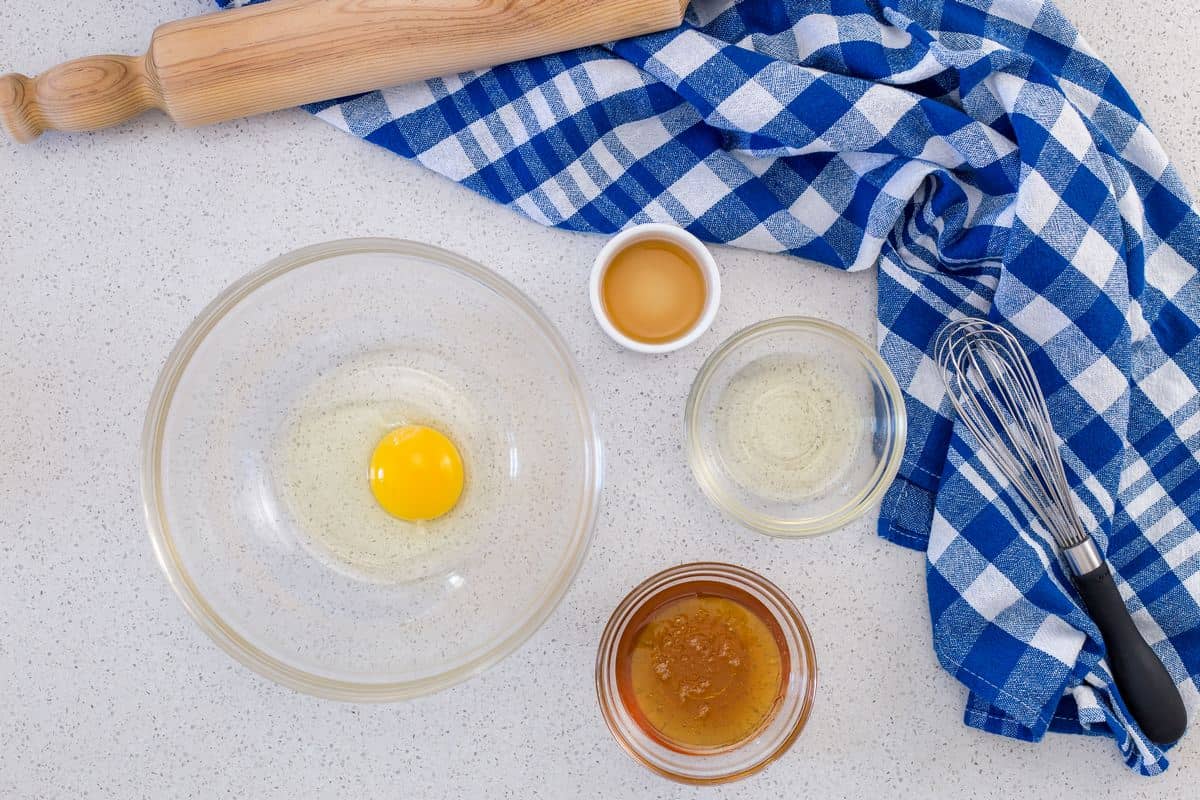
x: 284, y: 53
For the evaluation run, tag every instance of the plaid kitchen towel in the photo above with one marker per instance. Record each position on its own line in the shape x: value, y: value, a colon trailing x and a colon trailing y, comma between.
x: 990, y: 164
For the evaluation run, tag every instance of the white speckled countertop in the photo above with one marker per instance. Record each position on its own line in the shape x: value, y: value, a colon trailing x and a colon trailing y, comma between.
x: 112, y: 242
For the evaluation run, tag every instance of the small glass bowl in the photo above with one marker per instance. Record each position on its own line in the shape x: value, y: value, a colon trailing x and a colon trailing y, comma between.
x: 709, y: 765
x: 876, y: 418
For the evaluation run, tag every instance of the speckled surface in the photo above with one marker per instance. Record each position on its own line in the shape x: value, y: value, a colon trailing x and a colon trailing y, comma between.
x: 112, y: 242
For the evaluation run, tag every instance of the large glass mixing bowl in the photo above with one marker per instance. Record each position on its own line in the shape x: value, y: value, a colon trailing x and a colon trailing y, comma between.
x: 255, y: 469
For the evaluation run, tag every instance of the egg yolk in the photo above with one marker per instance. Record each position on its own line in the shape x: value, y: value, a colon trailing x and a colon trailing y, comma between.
x: 416, y: 473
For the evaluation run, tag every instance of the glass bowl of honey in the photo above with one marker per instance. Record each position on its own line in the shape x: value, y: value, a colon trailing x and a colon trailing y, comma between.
x: 706, y: 673
x: 795, y: 427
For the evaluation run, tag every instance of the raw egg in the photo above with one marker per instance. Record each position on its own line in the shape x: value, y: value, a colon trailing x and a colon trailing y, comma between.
x: 416, y: 473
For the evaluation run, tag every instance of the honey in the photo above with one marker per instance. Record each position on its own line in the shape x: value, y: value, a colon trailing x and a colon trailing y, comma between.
x: 653, y: 291
x: 702, y: 667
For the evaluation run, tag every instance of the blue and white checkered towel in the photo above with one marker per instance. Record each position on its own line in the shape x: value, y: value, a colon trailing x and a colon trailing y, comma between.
x: 990, y: 164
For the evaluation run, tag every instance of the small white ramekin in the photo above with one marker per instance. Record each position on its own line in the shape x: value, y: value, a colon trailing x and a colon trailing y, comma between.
x: 661, y: 232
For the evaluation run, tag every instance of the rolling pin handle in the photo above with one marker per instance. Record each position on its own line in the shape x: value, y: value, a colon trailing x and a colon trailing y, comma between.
x: 82, y: 95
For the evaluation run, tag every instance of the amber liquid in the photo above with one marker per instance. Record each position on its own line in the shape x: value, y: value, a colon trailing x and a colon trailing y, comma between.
x: 702, y: 667
x: 653, y: 291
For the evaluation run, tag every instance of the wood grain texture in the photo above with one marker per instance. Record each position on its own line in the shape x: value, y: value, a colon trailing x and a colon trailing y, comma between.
x: 263, y: 58
x: 80, y: 95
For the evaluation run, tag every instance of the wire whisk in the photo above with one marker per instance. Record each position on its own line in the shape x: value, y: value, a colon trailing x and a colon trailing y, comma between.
x: 995, y: 392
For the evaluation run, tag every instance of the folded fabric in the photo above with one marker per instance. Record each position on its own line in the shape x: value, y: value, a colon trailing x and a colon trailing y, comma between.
x: 991, y: 165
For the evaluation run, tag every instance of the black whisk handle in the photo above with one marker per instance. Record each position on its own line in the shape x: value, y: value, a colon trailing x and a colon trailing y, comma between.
x: 1149, y: 692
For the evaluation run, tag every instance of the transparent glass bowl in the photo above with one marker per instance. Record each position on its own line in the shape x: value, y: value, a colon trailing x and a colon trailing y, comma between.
x: 250, y: 521
x: 721, y: 765
x: 867, y: 409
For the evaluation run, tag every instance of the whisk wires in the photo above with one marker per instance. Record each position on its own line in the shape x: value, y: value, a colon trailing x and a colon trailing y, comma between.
x: 992, y: 386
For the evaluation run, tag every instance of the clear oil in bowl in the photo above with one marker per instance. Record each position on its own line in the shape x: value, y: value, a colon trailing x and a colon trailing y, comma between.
x: 790, y: 427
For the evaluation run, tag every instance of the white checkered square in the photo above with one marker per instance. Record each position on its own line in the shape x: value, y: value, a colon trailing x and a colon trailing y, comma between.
x: 450, y: 159
x: 1135, y: 471
x: 941, y: 535
x: 568, y: 93
x: 1081, y: 97
x: 1145, y: 151
x: 1187, y: 547
x: 1101, y: 384
x: 887, y: 105
x: 757, y: 166
x: 751, y: 107
x: 514, y: 124
x: 334, y: 116
x: 1022, y: 12
x: 1072, y: 133
x: 1139, y: 328
x: 403, y: 100
x: 1095, y: 258
x: 813, y: 210
x: 588, y: 189
x: 904, y: 181
x: 699, y: 189
x: 655, y: 211
x: 942, y: 152
x: 1059, y: 640
x: 926, y: 385
x: 992, y: 593
x: 610, y: 78
x: 1036, y: 202
x: 1041, y: 320
x: 813, y: 32
x: 1138, y: 505
x: 607, y: 160
x: 539, y: 106
x: 1167, y: 271
x: 685, y: 54
x: 482, y: 134
x: 643, y: 137
x: 1168, y: 387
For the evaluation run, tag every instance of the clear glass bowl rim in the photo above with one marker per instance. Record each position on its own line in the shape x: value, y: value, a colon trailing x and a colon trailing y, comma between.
x: 611, y: 704
x: 857, y: 504
x: 239, y: 647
